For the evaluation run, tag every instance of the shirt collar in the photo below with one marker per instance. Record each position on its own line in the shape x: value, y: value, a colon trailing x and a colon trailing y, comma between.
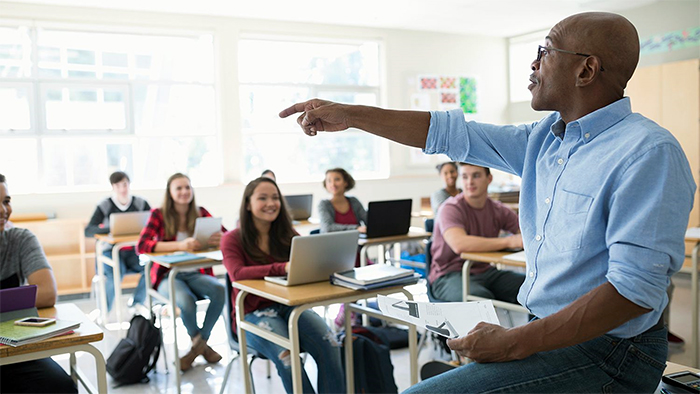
x: 596, y: 122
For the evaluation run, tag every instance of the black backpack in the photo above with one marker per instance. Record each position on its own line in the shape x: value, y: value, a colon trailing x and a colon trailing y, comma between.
x: 374, y: 372
x: 136, y: 355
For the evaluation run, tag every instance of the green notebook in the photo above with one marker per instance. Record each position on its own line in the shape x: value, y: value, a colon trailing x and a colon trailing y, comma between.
x: 13, y: 335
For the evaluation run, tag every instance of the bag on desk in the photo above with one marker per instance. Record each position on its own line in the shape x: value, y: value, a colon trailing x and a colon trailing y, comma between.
x: 374, y: 372
x: 136, y: 355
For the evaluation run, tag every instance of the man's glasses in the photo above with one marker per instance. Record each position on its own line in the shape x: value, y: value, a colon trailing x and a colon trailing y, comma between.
x: 543, y: 50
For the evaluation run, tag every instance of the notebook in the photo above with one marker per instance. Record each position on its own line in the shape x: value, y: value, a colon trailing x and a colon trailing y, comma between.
x: 128, y: 223
x: 314, y: 258
x: 299, y: 206
x: 387, y: 218
x: 177, y: 257
x: 13, y: 335
x: 405, y: 280
x: 204, y: 227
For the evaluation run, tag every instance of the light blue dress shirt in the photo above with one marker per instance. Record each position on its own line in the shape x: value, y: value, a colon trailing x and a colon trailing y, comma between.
x: 603, y: 198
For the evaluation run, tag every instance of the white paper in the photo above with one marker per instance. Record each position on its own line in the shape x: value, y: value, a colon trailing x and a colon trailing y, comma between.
x: 205, y: 228
x: 520, y: 256
x: 215, y: 255
x: 693, y: 232
x: 449, y: 319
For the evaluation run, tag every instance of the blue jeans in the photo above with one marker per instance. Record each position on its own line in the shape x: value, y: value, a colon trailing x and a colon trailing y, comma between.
x: 315, y: 338
x: 493, y: 284
x: 128, y: 263
x: 192, y: 286
x: 602, y: 365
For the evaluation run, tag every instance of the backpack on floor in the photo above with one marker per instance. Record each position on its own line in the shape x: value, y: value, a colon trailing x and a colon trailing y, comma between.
x: 136, y: 355
x: 374, y: 372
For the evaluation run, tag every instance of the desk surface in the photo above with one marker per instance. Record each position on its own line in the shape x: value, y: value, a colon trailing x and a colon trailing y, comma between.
x: 492, y: 257
x: 673, y: 367
x: 414, y: 233
x: 86, y: 333
x: 110, y: 239
x: 303, y: 294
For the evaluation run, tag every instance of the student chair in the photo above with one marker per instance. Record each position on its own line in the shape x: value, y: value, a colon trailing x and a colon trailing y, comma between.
x: 234, y: 345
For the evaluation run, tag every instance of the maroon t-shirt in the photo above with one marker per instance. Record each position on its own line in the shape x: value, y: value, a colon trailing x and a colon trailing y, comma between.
x: 485, y: 222
x: 346, y: 218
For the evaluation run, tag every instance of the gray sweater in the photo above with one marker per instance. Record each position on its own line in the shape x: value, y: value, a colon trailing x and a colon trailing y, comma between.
x: 327, y: 214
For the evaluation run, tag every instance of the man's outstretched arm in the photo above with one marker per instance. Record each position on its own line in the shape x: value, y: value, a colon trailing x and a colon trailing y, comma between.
x: 405, y: 127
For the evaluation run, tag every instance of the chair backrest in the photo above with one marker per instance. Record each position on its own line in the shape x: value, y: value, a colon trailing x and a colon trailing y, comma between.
x: 428, y: 262
x: 315, y: 231
x: 429, y: 223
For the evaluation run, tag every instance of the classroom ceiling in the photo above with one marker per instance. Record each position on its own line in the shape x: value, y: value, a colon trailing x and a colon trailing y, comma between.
x: 497, y: 18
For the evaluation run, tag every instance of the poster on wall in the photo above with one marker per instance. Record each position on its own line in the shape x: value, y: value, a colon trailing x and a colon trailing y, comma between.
x: 444, y: 93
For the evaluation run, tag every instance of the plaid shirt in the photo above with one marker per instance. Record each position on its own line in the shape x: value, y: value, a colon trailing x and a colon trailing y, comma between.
x: 153, y: 233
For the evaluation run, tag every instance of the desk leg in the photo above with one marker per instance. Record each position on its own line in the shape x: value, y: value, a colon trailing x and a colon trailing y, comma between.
x: 293, y: 327
x: 412, y: 344
x: 242, y: 342
x: 73, y: 370
x: 100, y: 369
x: 117, y: 278
x: 102, y: 302
x: 694, y: 295
x: 173, y: 307
x: 349, y: 363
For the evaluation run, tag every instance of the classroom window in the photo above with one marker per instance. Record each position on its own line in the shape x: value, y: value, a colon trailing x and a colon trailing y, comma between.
x: 79, y: 105
x: 347, y: 72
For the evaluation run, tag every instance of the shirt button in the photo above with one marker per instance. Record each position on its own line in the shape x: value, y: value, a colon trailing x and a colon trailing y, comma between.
x: 532, y: 274
x: 560, y: 161
x: 538, y: 237
x: 547, y: 200
x: 587, y: 135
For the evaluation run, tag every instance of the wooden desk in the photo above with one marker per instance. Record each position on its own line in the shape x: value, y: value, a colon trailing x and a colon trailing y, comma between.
x: 414, y: 234
x: 79, y: 341
x: 694, y: 296
x: 118, y: 243
x: 306, y: 297
x: 204, y: 262
x: 488, y: 257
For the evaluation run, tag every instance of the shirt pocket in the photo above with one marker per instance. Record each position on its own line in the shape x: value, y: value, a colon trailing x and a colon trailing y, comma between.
x: 568, y: 220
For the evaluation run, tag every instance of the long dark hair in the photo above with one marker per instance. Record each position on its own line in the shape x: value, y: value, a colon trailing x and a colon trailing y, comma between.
x: 281, y: 230
x: 171, y: 218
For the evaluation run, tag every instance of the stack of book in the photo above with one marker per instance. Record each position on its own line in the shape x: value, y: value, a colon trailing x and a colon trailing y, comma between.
x: 374, y: 276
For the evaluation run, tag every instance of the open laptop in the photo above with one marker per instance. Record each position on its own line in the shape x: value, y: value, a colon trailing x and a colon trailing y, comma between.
x: 314, y: 258
x: 387, y: 218
x: 299, y: 206
x: 128, y: 223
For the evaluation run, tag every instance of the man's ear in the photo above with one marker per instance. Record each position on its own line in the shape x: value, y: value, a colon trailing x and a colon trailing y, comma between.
x: 588, y: 72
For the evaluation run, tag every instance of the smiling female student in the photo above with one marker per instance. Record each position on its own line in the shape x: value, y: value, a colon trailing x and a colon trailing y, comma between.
x: 448, y: 173
x: 340, y: 212
x: 260, y: 247
x: 169, y: 229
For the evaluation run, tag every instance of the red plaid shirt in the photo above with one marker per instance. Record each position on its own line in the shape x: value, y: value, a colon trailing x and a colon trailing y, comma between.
x: 153, y: 233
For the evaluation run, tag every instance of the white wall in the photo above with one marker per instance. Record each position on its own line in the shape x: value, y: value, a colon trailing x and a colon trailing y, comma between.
x: 407, y: 54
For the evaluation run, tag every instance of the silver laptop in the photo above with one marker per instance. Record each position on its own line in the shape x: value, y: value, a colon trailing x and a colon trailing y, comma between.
x: 299, y: 206
x: 128, y: 223
x: 314, y: 258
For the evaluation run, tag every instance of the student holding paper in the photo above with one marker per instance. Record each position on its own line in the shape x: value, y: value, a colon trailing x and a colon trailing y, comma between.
x: 602, y: 239
x: 170, y: 229
x: 260, y: 247
x: 22, y: 262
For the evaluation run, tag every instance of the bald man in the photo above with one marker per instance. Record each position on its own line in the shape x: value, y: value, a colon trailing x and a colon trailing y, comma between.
x: 604, y: 205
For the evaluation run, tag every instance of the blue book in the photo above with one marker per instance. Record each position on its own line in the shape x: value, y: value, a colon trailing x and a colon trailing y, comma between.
x: 176, y: 258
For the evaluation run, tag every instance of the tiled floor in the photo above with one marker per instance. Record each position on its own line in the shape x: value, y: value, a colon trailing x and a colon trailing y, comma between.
x: 208, y: 378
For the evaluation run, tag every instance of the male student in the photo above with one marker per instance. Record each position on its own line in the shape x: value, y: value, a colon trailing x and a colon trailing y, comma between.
x: 604, y: 205
x: 22, y: 262
x: 471, y: 222
x: 121, y: 200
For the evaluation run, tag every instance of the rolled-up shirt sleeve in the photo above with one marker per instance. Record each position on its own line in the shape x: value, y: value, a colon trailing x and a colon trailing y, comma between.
x: 645, y: 232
